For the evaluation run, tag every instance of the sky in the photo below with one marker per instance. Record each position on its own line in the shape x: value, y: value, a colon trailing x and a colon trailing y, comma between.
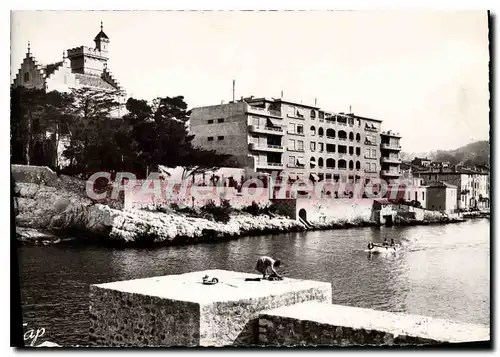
x: 424, y: 73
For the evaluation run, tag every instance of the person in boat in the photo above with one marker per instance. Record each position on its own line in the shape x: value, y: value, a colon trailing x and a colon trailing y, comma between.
x: 386, y: 243
x: 392, y: 243
x: 264, y: 263
x: 370, y: 245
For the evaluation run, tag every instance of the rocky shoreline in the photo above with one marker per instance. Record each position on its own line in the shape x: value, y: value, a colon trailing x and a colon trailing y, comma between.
x: 49, y: 215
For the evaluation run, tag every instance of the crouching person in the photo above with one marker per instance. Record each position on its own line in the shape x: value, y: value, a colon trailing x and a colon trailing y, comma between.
x: 264, y: 264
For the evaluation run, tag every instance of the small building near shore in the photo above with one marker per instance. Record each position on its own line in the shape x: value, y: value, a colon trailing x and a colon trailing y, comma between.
x: 442, y: 196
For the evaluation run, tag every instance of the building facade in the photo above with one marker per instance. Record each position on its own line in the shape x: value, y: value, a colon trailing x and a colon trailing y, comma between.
x: 442, y: 196
x: 473, y: 187
x: 390, y: 161
x: 300, y: 140
x: 79, y: 67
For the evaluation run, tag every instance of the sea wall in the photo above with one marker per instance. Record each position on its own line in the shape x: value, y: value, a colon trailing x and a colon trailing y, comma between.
x: 137, y: 196
x: 179, y: 310
x: 316, y: 324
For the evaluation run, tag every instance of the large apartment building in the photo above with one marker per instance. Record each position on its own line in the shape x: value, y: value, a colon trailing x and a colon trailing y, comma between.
x: 300, y: 140
x: 390, y: 161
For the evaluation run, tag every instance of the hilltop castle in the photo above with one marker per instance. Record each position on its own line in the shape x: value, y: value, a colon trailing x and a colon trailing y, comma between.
x: 80, y: 67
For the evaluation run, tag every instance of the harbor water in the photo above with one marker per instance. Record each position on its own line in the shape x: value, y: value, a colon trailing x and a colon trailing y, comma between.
x: 441, y: 271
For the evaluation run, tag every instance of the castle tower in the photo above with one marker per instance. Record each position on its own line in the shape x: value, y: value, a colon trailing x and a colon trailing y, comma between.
x: 87, y: 60
x: 102, y: 42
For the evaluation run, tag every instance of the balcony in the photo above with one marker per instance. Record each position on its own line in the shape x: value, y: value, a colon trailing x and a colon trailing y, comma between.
x: 394, y: 147
x: 269, y: 165
x: 389, y: 173
x: 391, y: 160
x: 369, y: 128
x: 295, y: 150
x: 391, y: 134
x: 295, y: 133
x: 266, y: 130
x: 265, y: 112
x: 265, y: 147
x: 296, y: 116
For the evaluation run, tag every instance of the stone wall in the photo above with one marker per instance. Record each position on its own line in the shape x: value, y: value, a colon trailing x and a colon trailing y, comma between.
x: 333, y: 210
x: 192, y: 196
x: 317, y: 324
x: 178, y: 310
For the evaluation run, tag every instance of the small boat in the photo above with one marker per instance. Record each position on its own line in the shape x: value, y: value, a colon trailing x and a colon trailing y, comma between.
x: 379, y: 249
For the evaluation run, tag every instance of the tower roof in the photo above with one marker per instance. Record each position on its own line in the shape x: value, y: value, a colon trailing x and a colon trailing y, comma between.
x: 101, y: 34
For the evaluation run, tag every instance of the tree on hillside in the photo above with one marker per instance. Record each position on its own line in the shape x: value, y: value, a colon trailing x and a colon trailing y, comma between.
x: 162, y: 138
x: 37, y: 121
x: 171, y: 107
x: 95, y: 134
x: 26, y: 121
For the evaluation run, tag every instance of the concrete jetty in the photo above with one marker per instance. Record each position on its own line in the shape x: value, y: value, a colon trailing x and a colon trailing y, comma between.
x: 179, y: 310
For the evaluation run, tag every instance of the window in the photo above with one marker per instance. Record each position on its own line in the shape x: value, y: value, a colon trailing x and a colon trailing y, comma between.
x: 312, y: 162
x: 300, y: 129
x: 374, y: 167
x: 358, y: 122
x: 291, y: 160
x: 358, y: 137
x: 220, y: 120
x: 220, y: 138
x: 320, y: 132
x: 320, y: 162
x: 313, y: 114
x: 291, y: 128
x: 291, y: 144
x: 255, y: 121
x: 313, y: 130
x: 416, y: 198
x: 358, y: 151
x: 300, y: 145
x: 423, y: 196
x: 367, y: 152
x: 351, y: 121
x: 210, y: 121
x: 367, y: 168
x: 374, y: 153
x: 351, y: 150
x: 321, y: 147
x: 313, y: 146
x: 321, y: 115
x: 26, y: 77
x: 210, y: 138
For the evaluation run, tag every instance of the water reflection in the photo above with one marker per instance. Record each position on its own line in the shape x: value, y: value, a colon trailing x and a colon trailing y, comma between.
x: 441, y: 271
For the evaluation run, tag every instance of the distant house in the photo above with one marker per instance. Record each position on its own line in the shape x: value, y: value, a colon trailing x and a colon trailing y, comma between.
x: 421, y: 162
x: 473, y: 186
x: 442, y: 196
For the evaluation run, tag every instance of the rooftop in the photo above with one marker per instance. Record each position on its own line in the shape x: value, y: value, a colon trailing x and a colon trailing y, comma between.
x: 93, y: 81
x: 440, y: 184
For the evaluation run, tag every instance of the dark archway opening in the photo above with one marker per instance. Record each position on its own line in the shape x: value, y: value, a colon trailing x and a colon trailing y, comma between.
x: 303, y: 214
